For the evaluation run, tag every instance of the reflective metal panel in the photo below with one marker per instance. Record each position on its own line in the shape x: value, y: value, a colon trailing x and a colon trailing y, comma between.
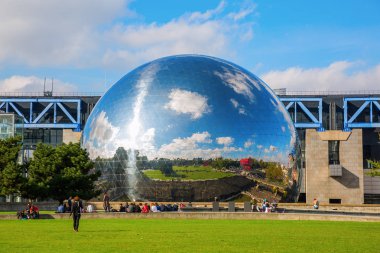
x: 189, y: 110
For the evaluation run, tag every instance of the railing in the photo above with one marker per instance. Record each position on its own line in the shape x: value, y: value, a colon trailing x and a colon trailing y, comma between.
x: 54, y: 94
x: 281, y: 92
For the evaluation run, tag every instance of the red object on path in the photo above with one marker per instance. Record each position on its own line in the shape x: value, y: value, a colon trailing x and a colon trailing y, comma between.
x: 246, y: 163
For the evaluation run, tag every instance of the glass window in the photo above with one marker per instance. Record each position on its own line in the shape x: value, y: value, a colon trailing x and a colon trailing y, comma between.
x: 334, y: 152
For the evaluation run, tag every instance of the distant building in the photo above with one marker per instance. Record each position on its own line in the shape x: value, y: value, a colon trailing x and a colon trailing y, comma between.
x: 246, y: 163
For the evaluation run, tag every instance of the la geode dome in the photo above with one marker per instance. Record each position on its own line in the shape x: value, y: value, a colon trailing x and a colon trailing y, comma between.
x: 192, y: 107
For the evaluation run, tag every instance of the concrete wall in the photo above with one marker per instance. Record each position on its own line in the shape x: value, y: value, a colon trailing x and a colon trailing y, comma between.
x: 348, y: 187
x: 71, y: 136
x: 371, y: 184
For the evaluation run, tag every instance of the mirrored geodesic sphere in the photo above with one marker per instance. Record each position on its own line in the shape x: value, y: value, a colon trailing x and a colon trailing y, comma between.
x: 173, y: 117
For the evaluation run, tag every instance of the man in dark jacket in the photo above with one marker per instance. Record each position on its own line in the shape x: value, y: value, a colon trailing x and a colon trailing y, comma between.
x: 76, y: 209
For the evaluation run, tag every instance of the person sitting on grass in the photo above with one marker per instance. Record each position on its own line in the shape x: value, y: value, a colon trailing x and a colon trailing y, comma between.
x: 163, y: 208
x: 90, y: 209
x: 169, y: 207
x: 264, y: 206
x: 254, y: 204
x: 121, y: 208
x: 34, y: 212
x: 137, y: 208
x: 158, y: 207
x: 22, y: 215
x: 154, y: 208
x: 315, y: 204
x: 61, y: 208
x: 130, y: 208
x: 145, y: 208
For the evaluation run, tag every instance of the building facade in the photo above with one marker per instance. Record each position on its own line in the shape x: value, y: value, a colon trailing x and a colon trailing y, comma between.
x: 338, y: 133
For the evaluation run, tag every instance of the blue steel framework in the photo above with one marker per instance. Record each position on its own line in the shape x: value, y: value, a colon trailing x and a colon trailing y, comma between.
x: 297, y: 104
x: 33, y: 122
x: 367, y: 102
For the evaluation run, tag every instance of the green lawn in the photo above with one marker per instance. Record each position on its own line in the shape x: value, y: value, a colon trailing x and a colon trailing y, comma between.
x: 15, y: 212
x: 189, y: 173
x: 161, y: 235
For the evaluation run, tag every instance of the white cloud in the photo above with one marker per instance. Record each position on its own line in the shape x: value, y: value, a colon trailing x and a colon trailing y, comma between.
x: 259, y: 146
x: 283, y: 129
x: 187, y: 102
x: 107, y: 34
x: 226, y: 141
x: 240, y: 108
x: 243, y: 13
x: 33, y: 84
x: 337, y: 76
x: 187, y: 145
x: 280, y: 108
x: 102, y: 137
x: 191, y: 33
x: 248, y: 144
x: 234, y: 103
x: 270, y: 149
x: 193, y: 147
x: 54, y: 32
x: 239, y: 82
x: 105, y: 138
x: 202, y: 16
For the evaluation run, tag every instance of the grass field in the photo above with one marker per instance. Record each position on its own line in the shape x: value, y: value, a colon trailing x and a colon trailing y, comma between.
x: 15, y: 212
x: 189, y: 173
x: 160, y: 235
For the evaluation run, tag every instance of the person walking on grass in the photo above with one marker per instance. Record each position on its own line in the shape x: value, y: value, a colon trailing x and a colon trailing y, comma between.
x: 106, y: 202
x: 76, y: 209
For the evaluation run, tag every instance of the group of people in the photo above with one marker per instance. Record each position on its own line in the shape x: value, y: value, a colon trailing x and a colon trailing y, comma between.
x: 66, y: 206
x: 266, y: 206
x: 139, y: 208
x: 30, y: 212
x: 146, y: 208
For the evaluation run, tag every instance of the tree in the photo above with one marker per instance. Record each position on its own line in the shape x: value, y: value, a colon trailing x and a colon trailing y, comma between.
x: 11, y: 178
x: 166, y: 167
x: 274, y: 173
x: 375, y: 168
x: 61, y: 172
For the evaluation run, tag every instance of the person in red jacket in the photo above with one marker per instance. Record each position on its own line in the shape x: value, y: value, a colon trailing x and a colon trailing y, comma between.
x: 34, y: 212
x: 145, y: 208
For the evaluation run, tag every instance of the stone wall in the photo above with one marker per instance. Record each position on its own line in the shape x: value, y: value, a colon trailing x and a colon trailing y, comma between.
x: 18, y: 206
x: 70, y: 136
x: 371, y: 184
x: 349, y: 186
x: 197, y: 190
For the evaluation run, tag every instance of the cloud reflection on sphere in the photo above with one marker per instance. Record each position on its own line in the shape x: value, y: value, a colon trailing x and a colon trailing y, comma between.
x: 192, y: 106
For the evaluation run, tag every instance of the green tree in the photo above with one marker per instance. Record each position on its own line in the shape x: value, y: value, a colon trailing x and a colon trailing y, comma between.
x: 61, y: 172
x: 274, y: 173
x: 11, y: 178
x: 166, y: 167
x: 375, y: 168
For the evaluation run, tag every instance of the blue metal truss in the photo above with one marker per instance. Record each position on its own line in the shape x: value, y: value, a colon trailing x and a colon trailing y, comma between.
x: 369, y: 102
x: 297, y: 104
x: 32, y: 119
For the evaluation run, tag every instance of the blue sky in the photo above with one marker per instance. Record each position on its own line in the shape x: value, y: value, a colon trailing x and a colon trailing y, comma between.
x: 86, y: 46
